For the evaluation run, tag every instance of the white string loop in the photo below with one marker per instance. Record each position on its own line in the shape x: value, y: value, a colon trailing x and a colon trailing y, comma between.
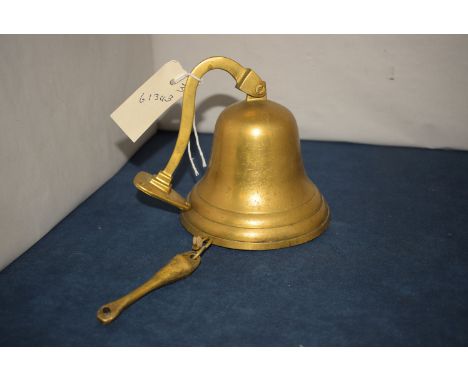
x: 192, y: 162
x: 184, y: 75
x: 200, y: 151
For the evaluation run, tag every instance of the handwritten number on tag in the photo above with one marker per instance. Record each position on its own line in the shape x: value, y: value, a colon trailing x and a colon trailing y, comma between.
x: 160, y: 97
x: 155, y: 97
x: 181, y: 88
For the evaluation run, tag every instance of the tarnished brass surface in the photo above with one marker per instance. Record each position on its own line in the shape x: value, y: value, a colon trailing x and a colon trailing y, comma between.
x: 255, y: 193
x: 180, y: 266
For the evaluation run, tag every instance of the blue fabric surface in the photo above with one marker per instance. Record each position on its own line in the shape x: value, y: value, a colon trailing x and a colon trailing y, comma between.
x: 391, y: 270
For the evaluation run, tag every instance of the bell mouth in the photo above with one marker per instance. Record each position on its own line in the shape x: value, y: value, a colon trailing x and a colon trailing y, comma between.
x: 273, y: 237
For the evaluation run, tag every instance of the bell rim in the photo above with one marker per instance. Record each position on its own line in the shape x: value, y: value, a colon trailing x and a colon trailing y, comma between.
x: 258, y: 246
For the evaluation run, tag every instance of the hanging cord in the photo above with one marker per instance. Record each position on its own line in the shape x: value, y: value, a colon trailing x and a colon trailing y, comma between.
x: 189, y: 150
x: 184, y: 75
x: 200, y: 151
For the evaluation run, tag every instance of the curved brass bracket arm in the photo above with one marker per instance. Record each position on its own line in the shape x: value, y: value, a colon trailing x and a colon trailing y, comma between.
x: 247, y: 81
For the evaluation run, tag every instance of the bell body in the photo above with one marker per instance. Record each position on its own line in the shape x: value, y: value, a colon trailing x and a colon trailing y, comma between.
x: 255, y: 193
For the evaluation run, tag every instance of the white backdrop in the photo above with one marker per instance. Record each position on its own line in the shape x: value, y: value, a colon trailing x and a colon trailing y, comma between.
x: 57, y: 143
x: 404, y: 90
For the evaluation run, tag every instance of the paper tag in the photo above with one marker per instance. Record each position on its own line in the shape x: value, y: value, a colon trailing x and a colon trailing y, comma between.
x: 150, y: 100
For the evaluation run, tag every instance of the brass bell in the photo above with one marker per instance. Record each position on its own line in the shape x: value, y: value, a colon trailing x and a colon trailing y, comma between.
x: 255, y: 194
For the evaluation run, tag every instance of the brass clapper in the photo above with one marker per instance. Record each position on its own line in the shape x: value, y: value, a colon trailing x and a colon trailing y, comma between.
x: 180, y: 266
x: 255, y: 193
